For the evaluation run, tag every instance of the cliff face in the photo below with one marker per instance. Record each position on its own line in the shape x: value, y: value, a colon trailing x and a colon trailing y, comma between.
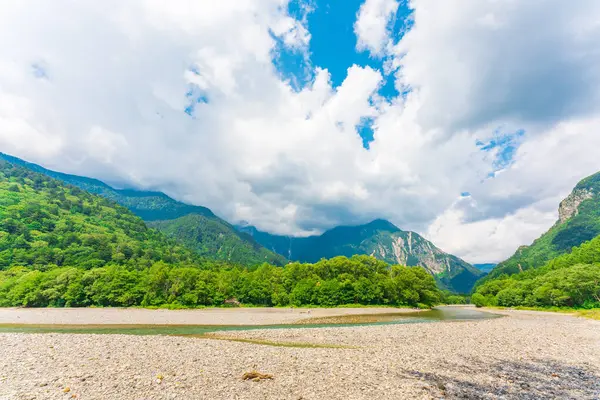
x: 380, y: 239
x: 578, y: 222
x: 569, y: 207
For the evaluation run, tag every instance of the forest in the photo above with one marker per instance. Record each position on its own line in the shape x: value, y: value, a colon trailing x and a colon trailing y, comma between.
x: 570, y: 280
x: 62, y: 246
x: 338, y: 281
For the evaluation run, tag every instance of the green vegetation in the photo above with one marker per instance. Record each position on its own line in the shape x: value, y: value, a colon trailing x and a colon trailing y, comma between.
x: 199, y: 229
x: 61, y: 246
x: 571, y: 280
x: 263, y: 342
x: 360, y: 279
x: 214, y: 238
x: 582, y: 226
x: 379, y: 238
x: 194, y: 226
x: 45, y: 224
x: 453, y: 298
x: 561, y: 269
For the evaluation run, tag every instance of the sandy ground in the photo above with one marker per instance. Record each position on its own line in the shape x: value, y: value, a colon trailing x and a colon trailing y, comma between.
x: 525, y: 355
x: 207, y: 316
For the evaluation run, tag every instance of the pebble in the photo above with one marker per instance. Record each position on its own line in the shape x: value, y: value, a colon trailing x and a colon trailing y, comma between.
x: 525, y: 355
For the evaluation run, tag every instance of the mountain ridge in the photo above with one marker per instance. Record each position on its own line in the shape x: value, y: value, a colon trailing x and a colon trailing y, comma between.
x: 174, y: 218
x: 578, y: 222
x: 380, y: 239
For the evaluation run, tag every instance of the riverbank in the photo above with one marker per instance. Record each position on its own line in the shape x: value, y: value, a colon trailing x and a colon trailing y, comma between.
x: 593, y: 313
x: 204, y: 316
x: 525, y: 355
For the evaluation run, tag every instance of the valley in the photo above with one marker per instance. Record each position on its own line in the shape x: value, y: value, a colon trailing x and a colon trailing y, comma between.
x: 356, y: 298
x: 299, y: 200
x: 525, y: 355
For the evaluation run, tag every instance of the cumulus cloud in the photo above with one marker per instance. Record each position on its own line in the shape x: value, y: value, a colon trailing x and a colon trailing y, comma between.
x: 372, y: 25
x: 473, y: 62
x: 185, y: 98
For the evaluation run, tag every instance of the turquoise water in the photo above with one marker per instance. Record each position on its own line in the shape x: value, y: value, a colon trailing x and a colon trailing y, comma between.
x: 437, y: 314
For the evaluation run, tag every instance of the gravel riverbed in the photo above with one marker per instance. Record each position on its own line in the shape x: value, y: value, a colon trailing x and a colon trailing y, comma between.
x: 525, y: 355
x: 204, y: 316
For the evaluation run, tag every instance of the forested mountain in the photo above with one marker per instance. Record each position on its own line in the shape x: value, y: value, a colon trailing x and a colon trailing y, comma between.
x: 215, y: 238
x: 487, y: 267
x: 578, y: 222
x: 196, y: 227
x: 380, y: 239
x: 62, y: 246
x: 570, y: 280
x: 44, y: 223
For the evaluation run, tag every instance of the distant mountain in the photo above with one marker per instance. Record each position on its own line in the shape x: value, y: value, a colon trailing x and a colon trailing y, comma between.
x: 380, y: 239
x: 196, y: 227
x: 485, y: 267
x: 578, y: 222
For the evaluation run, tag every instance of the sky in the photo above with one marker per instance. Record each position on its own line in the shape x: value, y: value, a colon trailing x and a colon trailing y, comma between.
x: 464, y: 120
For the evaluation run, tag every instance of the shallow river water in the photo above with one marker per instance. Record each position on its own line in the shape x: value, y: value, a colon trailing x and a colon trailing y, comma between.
x: 428, y: 316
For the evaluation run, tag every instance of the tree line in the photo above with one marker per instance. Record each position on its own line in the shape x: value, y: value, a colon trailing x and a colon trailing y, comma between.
x: 62, y: 246
x: 570, y: 280
x: 337, y: 281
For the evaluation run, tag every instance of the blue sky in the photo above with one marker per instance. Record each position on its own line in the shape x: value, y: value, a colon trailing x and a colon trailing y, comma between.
x: 333, y: 46
x: 228, y: 105
x: 333, y: 41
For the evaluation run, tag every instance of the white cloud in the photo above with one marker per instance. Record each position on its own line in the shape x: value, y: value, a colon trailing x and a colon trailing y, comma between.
x: 487, y: 240
x: 372, y: 27
x: 473, y: 62
x: 100, y: 89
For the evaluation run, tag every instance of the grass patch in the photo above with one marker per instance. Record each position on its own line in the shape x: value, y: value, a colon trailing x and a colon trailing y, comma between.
x: 578, y: 312
x: 592, y: 314
x: 263, y: 342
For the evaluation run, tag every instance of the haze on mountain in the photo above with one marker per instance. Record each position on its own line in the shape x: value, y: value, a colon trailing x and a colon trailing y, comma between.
x: 300, y: 116
x: 195, y: 226
x: 559, y: 269
x: 380, y: 239
x: 199, y: 229
x: 578, y: 222
x: 61, y: 246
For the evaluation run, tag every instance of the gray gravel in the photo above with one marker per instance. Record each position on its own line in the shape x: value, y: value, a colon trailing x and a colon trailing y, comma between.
x: 523, y: 356
x: 206, y: 316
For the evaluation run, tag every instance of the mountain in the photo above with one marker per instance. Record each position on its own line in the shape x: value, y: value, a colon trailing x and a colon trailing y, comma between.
x: 569, y: 280
x: 196, y: 227
x: 45, y: 223
x: 61, y: 246
x: 578, y: 222
x: 485, y: 267
x: 380, y: 239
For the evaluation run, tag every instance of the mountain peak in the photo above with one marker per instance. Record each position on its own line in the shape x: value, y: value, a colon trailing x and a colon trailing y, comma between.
x: 591, y: 183
x: 383, y: 225
x: 578, y: 222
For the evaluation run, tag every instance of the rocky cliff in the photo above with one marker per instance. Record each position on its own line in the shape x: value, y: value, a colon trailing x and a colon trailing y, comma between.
x: 380, y: 239
x: 578, y: 222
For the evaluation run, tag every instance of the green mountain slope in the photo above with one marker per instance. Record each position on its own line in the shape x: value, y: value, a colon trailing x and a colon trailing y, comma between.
x: 570, y: 280
x: 487, y: 267
x: 45, y: 223
x: 579, y: 221
x: 380, y: 239
x: 196, y: 227
x: 62, y: 246
x: 213, y: 238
